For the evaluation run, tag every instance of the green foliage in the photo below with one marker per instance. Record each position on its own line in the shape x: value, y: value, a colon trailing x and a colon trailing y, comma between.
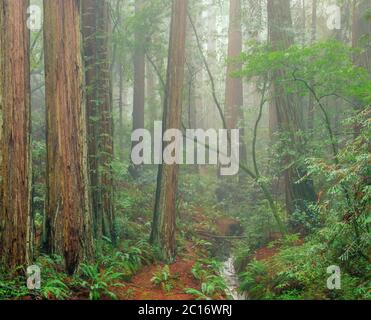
x: 198, y: 294
x: 163, y: 278
x: 345, y: 198
x: 328, y: 64
x: 208, y: 273
x: 128, y: 260
x: 99, y: 282
x: 299, y: 272
x: 241, y: 254
x: 213, y: 284
x: 54, y: 282
x: 255, y: 280
x: 55, y: 288
x: 12, y: 288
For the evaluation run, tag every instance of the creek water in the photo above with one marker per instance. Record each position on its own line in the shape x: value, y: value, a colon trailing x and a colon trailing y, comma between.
x: 229, y: 274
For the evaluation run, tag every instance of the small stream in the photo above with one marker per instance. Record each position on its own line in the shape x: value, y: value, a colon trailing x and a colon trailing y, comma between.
x: 229, y: 274
x: 222, y: 252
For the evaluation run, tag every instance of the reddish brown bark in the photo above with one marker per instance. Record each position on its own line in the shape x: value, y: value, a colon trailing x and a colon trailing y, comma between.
x: 68, y: 222
x: 163, y: 232
x: 15, y: 242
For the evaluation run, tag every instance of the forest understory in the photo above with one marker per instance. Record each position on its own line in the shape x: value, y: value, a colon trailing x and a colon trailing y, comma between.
x: 279, y: 90
x: 266, y: 264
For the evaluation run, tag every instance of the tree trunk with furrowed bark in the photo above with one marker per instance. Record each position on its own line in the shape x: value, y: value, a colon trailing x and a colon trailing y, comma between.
x: 163, y: 228
x: 68, y: 209
x: 15, y: 175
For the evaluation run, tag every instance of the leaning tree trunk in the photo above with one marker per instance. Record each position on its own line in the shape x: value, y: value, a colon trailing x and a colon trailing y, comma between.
x: 96, y: 29
x: 68, y: 221
x: 163, y: 229
x: 15, y: 175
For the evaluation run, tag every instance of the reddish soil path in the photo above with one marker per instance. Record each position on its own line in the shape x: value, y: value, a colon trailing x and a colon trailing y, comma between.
x: 141, y: 287
x: 265, y: 253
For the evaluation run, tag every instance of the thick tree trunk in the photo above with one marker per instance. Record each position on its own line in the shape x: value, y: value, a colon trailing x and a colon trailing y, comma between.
x: 68, y: 210
x: 163, y: 229
x: 15, y: 175
x: 96, y: 29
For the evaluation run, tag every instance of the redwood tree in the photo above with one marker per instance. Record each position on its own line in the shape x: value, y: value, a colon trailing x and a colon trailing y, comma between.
x: 15, y: 175
x: 163, y: 228
x: 96, y: 28
x: 68, y: 210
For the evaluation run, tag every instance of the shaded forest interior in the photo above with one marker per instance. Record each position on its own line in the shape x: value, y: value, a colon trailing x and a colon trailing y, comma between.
x: 80, y: 79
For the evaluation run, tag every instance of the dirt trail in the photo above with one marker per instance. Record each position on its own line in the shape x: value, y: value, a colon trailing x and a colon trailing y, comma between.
x: 141, y: 287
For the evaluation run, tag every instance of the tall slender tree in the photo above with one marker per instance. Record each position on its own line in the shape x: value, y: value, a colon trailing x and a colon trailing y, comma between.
x: 361, y: 38
x: 234, y: 114
x: 163, y: 228
x: 312, y: 40
x: 15, y: 218
x: 96, y: 28
x: 68, y: 209
x: 234, y: 86
x: 284, y: 112
x: 139, y: 76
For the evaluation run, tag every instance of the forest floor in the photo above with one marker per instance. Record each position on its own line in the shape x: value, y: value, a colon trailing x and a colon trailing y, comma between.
x: 181, y: 278
x: 141, y: 287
